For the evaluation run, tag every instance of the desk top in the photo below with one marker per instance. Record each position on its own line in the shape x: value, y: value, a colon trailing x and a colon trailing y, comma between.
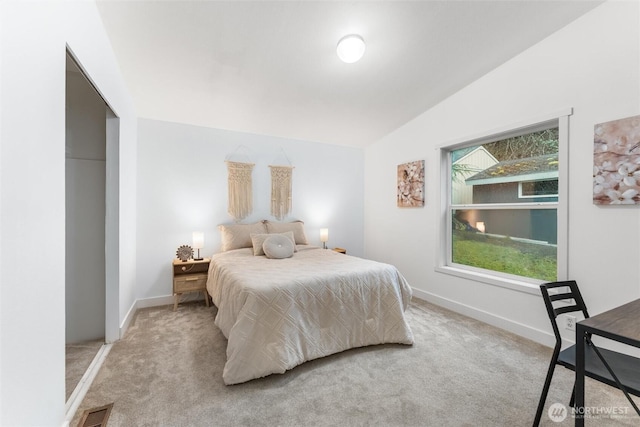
x: 621, y: 323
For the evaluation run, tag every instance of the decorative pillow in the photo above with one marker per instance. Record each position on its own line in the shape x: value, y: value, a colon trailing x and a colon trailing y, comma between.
x: 258, y: 241
x: 296, y: 226
x: 278, y: 246
x: 237, y: 236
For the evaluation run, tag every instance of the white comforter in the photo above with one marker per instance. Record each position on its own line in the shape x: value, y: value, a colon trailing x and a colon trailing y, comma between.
x: 279, y: 313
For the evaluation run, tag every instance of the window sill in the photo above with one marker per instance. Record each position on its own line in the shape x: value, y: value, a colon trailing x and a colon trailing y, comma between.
x: 503, y: 282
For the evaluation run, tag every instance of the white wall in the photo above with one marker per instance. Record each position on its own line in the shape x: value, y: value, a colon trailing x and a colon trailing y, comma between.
x: 85, y: 211
x: 592, y: 65
x: 34, y: 36
x: 182, y: 187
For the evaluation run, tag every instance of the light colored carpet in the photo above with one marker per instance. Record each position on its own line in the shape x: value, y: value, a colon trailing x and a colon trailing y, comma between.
x: 167, y: 371
x: 78, y: 357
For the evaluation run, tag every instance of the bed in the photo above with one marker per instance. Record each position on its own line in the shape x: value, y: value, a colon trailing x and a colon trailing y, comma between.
x: 279, y: 313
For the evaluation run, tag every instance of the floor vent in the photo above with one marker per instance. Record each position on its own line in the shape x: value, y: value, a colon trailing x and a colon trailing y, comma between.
x: 96, y: 417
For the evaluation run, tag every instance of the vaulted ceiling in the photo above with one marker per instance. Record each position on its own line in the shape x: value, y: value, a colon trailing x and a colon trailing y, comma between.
x: 270, y: 67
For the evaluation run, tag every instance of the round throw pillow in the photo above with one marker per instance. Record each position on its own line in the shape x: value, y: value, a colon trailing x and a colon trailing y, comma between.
x: 278, y: 246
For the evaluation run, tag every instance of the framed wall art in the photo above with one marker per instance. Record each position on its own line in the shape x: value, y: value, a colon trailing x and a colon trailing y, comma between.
x: 411, y: 184
x: 616, y: 162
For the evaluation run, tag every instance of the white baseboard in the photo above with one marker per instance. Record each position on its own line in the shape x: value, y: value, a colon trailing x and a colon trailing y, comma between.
x: 128, y: 318
x: 74, y: 401
x: 155, y: 301
x: 525, y: 331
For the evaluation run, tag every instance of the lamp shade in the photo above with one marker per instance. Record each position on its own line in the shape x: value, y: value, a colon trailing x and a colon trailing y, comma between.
x: 198, y: 240
x: 350, y: 48
x: 324, y: 235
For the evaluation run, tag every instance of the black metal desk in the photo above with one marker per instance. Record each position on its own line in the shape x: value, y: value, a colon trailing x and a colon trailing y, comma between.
x: 620, y: 324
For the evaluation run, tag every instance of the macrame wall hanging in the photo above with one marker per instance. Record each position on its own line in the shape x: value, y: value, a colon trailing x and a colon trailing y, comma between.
x: 240, y: 188
x: 281, y: 185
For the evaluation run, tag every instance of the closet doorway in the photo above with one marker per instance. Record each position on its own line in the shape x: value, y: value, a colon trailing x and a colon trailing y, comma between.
x: 88, y: 241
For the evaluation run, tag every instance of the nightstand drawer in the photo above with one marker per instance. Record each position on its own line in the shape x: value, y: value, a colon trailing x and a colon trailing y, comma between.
x: 190, y: 268
x: 189, y: 282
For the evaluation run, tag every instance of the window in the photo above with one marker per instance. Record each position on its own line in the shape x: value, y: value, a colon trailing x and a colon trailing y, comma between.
x: 501, y: 212
x: 545, y: 188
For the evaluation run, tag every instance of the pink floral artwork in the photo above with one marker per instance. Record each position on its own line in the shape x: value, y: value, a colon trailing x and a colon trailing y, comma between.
x: 616, y: 162
x: 411, y: 184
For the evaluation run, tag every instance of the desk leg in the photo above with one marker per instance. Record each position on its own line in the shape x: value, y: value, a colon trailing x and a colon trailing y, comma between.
x: 580, y: 350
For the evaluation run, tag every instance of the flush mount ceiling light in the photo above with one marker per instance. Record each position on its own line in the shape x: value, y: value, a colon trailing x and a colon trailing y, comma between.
x: 351, y: 48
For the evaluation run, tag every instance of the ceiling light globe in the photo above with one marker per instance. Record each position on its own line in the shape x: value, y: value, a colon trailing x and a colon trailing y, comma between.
x: 350, y: 48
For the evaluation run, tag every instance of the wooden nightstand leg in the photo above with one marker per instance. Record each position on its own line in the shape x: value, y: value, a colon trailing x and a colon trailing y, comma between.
x: 175, y: 302
x: 206, y: 297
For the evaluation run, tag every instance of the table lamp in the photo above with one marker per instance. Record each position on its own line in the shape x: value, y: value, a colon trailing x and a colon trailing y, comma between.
x: 198, y: 243
x: 324, y: 237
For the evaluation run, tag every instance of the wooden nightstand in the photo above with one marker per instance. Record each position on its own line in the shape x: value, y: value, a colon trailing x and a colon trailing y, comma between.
x: 340, y: 250
x: 190, y: 276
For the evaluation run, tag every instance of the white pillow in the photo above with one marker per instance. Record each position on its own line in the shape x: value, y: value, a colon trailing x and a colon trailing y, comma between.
x: 237, y: 236
x: 278, y: 246
x: 258, y: 241
x: 296, y: 226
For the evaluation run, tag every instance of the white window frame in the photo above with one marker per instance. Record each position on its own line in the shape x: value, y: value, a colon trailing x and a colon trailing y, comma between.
x: 444, y: 263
